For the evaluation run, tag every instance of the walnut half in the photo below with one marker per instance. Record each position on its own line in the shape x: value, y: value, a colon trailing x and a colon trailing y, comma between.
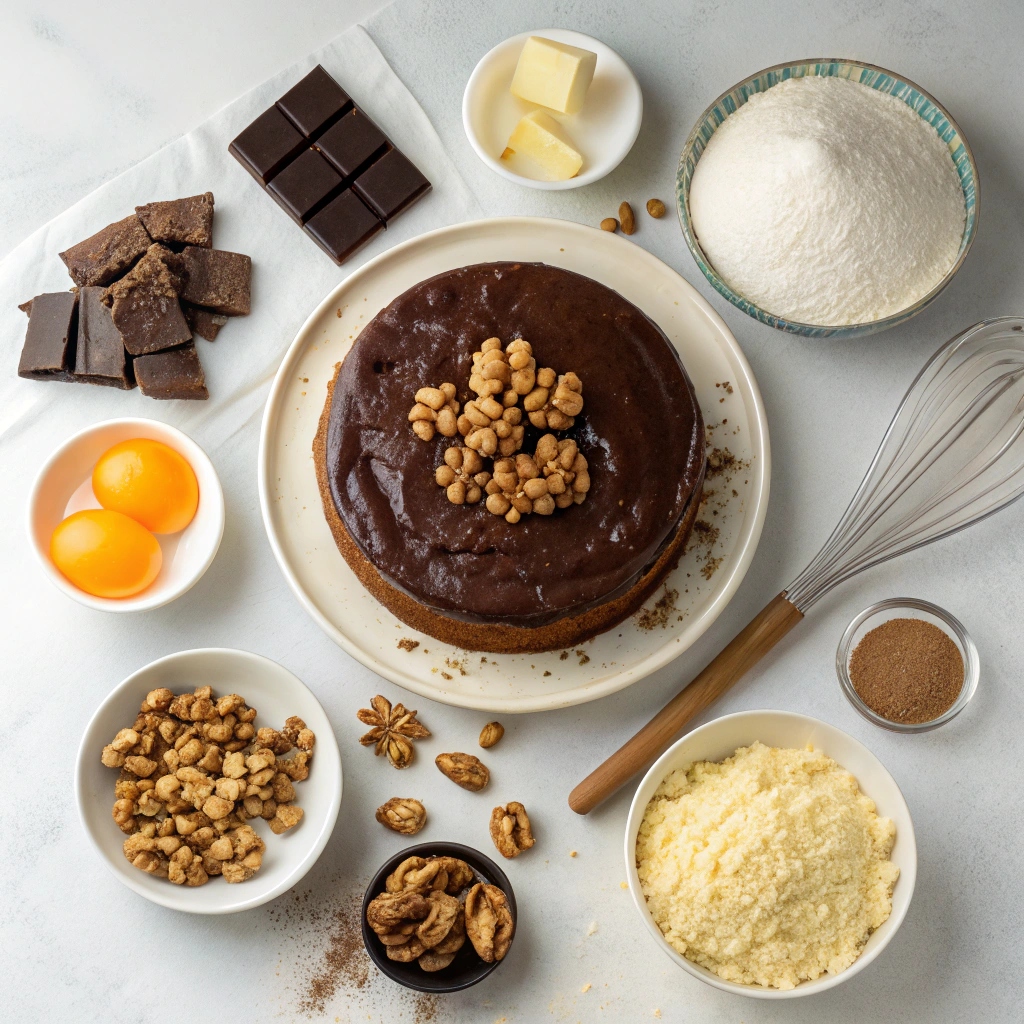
x: 489, y: 923
x: 510, y: 829
x: 402, y: 814
x: 464, y: 770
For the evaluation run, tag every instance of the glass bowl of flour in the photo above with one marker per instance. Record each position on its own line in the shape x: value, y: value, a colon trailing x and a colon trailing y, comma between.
x: 828, y: 198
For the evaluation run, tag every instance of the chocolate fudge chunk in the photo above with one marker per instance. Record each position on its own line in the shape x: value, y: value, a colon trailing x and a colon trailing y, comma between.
x: 315, y: 103
x: 218, y: 280
x: 267, y: 145
x: 176, y: 373
x: 49, y: 349
x: 342, y: 226
x: 144, y: 303
x: 390, y: 185
x: 107, y: 254
x: 352, y: 143
x: 99, y: 354
x: 305, y: 185
x: 186, y: 221
x: 204, y: 323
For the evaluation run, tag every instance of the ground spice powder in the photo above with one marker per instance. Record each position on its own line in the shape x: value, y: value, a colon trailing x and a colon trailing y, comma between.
x: 907, y: 670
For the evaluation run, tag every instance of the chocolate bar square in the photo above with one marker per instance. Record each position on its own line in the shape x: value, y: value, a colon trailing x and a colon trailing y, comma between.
x: 218, y: 280
x: 107, y: 254
x: 186, y: 221
x: 144, y: 303
x: 99, y: 354
x: 304, y: 185
x: 352, y: 143
x: 342, y: 226
x: 204, y: 323
x: 49, y: 349
x: 390, y: 185
x: 267, y: 145
x: 315, y: 103
x: 175, y: 373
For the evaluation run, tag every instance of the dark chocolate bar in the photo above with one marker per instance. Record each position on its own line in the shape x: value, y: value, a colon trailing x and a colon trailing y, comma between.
x: 352, y: 144
x: 49, y: 349
x: 390, y: 185
x: 343, y: 226
x: 99, y: 353
x: 187, y: 221
x: 144, y: 303
x: 175, y: 373
x: 267, y: 145
x: 202, y: 322
x: 107, y: 254
x: 305, y: 185
x: 217, y: 280
x: 328, y: 165
x: 315, y: 103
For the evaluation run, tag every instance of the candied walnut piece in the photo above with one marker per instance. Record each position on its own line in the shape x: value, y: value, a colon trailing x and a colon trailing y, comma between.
x: 407, y: 951
x: 464, y: 770
x: 415, y: 874
x: 462, y: 476
x: 141, y: 766
x: 460, y: 874
x: 434, y: 928
x: 489, y: 923
x: 432, y: 960
x: 390, y: 910
x: 393, y: 730
x: 456, y: 937
x: 402, y: 814
x: 491, y: 733
x: 435, y: 410
x: 510, y: 829
x: 287, y: 816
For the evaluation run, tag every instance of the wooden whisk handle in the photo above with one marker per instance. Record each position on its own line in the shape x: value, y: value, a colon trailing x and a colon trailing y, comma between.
x: 745, y: 650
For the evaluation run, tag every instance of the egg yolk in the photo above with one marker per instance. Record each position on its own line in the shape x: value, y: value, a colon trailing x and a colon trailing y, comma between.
x: 148, y: 481
x: 105, y: 553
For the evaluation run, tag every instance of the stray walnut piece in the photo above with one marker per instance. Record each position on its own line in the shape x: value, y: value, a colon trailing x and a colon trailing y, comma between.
x: 423, y: 916
x: 394, y: 729
x: 491, y: 733
x: 402, y: 814
x: 510, y: 829
x: 464, y: 770
x: 194, y: 770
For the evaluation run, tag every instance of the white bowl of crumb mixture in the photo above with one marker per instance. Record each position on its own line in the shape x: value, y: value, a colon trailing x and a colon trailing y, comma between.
x: 770, y: 854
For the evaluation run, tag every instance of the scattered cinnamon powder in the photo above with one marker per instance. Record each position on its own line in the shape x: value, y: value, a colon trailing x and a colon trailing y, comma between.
x: 344, y: 964
x: 663, y: 610
x: 907, y: 670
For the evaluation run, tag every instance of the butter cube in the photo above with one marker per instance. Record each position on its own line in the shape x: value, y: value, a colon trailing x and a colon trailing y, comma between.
x: 540, y: 138
x: 554, y: 75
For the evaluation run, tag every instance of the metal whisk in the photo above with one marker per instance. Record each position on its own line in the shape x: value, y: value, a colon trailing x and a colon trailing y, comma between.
x: 953, y: 455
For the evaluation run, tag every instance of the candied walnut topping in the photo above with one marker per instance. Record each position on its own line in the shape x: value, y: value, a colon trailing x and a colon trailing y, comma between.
x: 489, y: 923
x: 510, y: 829
x: 394, y: 729
x: 493, y: 425
x: 419, y: 918
x: 194, y: 770
x: 402, y: 814
x: 491, y: 733
x: 464, y: 770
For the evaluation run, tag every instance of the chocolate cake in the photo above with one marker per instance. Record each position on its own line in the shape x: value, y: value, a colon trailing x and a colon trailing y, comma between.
x: 457, y: 571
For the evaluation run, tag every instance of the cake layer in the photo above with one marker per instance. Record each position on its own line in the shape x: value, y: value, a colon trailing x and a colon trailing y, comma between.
x: 641, y: 432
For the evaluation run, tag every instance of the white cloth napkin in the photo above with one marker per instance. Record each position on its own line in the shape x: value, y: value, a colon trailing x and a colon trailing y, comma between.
x: 290, y: 273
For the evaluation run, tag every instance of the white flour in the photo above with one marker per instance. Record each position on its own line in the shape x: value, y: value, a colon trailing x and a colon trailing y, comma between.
x: 827, y: 202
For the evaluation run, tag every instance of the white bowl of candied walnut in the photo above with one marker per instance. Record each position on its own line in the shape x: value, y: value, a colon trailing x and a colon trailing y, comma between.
x: 209, y: 781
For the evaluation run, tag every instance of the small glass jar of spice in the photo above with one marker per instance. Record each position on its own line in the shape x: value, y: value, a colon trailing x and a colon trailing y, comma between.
x: 907, y: 665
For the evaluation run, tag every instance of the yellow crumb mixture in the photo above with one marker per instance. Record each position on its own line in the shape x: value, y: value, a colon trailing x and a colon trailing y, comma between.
x: 769, y: 868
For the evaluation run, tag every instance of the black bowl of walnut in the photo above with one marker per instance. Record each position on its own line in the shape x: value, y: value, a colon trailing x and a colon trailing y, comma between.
x: 438, y: 917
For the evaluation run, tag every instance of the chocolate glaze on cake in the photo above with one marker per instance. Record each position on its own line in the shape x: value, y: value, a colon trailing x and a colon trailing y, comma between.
x: 641, y: 431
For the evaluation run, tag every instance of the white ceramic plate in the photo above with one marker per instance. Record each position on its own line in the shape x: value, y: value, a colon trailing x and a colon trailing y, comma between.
x: 276, y: 694
x: 604, y: 130
x: 327, y: 588
x: 64, y: 486
x: 718, y: 740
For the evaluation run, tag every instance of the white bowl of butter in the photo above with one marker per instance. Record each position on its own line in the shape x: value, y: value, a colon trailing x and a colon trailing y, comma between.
x: 602, y: 131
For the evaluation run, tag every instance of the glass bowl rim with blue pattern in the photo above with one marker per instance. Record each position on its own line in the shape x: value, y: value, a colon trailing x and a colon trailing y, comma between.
x: 918, y: 99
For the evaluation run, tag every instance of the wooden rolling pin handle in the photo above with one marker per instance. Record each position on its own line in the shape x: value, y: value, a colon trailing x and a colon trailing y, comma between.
x: 745, y: 650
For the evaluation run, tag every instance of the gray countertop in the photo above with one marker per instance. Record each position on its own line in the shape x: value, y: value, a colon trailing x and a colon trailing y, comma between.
x: 87, y: 96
